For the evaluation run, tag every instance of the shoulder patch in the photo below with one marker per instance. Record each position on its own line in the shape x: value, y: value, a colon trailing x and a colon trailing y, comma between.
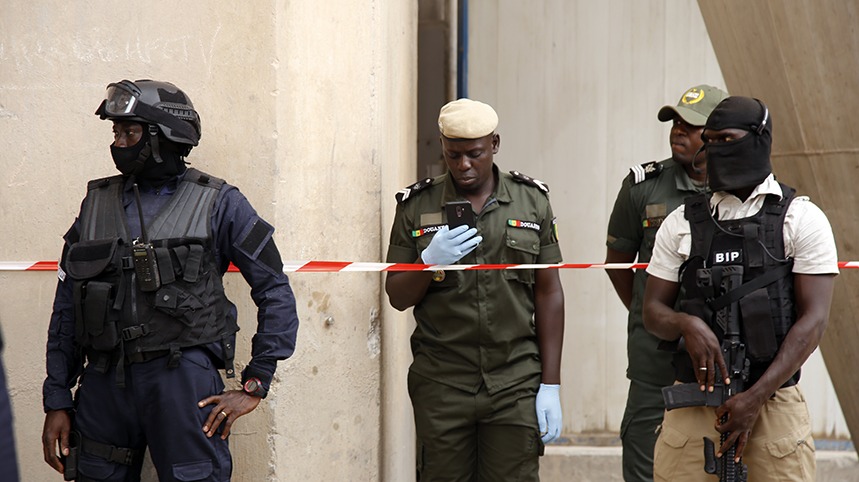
x: 404, y: 194
x: 648, y: 170
x: 519, y: 177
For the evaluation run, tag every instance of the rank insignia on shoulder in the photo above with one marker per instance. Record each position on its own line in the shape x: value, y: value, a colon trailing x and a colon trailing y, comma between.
x: 404, y: 194
x: 648, y: 170
x: 518, y: 176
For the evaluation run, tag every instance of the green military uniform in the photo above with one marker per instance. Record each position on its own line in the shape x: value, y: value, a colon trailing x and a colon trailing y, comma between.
x: 476, y: 365
x: 648, y: 194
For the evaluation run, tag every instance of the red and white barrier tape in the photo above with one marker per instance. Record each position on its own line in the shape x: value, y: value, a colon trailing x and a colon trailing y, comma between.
x: 338, y: 266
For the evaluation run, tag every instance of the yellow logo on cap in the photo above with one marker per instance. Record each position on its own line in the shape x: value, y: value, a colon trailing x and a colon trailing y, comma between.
x: 692, y: 96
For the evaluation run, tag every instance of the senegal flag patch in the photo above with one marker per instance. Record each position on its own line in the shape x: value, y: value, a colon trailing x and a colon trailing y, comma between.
x: 516, y: 223
x: 417, y: 233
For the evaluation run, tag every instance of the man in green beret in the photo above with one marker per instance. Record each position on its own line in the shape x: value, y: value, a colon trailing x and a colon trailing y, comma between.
x: 485, y: 379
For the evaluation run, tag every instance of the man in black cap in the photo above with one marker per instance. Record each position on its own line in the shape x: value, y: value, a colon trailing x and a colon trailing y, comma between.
x: 757, y: 264
x: 646, y: 196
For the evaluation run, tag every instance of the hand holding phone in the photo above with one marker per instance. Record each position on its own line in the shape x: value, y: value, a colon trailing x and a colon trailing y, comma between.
x: 459, y: 213
x: 449, y: 245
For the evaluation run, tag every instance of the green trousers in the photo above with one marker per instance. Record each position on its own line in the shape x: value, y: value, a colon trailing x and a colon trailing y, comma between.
x: 638, y: 430
x: 466, y: 437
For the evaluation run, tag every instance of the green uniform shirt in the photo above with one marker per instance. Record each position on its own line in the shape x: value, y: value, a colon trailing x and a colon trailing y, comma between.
x: 477, y: 326
x: 646, y: 197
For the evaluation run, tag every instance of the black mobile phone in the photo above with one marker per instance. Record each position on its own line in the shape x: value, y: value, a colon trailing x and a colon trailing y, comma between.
x: 459, y: 213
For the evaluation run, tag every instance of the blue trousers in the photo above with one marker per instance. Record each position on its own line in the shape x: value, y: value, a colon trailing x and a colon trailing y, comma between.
x: 157, y: 408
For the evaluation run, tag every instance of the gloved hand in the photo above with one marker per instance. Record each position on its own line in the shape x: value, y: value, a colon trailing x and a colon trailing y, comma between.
x: 449, y: 246
x: 549, y: 417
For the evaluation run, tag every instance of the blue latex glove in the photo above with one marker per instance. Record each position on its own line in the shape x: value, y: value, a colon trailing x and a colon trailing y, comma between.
x: 449, y: 245
x: 549, y: 417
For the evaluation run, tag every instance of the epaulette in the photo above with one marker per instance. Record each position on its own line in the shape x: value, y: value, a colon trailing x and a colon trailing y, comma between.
x: 646, y: 171
x: 404, y: 194
x: 204, y: 179
x: 518, y: 176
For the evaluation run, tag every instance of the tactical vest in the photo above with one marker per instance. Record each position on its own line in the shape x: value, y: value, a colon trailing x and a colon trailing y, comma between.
x: 118, y: 320
x: 765, y: 298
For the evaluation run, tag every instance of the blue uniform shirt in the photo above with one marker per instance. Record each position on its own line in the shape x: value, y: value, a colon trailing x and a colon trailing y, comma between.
x: 277, y: 320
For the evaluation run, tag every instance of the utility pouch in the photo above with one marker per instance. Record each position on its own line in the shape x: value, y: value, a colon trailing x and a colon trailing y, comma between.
x: 88, y: 259
x: 758, y: 326
x: 179, y: 304
x: 98, y: 320
x: 95, y: 311
x: 70, y: 462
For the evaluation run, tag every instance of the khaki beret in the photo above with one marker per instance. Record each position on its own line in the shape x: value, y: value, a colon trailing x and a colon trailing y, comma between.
x: 467, y: 119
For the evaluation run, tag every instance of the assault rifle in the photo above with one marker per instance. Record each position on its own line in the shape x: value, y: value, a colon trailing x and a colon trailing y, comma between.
x: 719, y: 281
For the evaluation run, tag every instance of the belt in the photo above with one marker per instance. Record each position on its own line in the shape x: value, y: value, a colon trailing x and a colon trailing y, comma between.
x: 143, y: 357
x: 117, y: 455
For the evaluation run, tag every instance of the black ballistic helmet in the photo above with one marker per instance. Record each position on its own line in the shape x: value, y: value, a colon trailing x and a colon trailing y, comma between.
x: 155, y: 103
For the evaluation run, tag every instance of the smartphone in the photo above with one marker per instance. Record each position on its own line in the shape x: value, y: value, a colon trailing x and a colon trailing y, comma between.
x: 459, y: 213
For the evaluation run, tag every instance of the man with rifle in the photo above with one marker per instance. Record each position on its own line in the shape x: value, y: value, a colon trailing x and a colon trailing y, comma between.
x: 754, y: 267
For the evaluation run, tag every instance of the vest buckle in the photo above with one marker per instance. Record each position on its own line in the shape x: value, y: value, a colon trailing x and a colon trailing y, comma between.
x: 136, y: 331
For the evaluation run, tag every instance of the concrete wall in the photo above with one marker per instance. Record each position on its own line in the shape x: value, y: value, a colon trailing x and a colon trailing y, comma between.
x: 577, y: 85
x: 309, y: 108
x: 800, y: 59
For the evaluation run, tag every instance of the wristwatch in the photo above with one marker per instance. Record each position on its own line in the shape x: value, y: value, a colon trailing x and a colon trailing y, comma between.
x: 253, y: 386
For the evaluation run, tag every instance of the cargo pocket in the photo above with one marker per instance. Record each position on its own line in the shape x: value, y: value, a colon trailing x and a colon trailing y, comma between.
x: 529, y: 465
x: 791, y: 456
x: 522, y: 247
x: 190, y: 471
x: 668, y: 453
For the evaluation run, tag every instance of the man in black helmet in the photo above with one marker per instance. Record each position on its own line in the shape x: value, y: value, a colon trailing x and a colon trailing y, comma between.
x: 757, y: 265
x: 141, y: 323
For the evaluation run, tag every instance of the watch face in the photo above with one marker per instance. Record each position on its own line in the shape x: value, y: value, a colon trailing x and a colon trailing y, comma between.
x: 251, y: 385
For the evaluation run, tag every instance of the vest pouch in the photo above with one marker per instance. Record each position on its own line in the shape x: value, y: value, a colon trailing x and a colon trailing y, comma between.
x: 758, y: 326
x: 88, y: 259
x: 99, y: 318
x: 179, y: 304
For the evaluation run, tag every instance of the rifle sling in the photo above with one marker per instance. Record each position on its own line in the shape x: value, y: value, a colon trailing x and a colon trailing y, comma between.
x: 760, y: 282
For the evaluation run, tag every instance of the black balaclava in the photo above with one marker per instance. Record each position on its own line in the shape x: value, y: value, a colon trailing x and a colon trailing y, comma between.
x: 141, y: 161
x: 130, y: 160
x: 744, y: 162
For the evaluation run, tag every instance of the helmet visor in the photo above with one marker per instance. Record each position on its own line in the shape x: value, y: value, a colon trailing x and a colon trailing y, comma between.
x: 119, y: 101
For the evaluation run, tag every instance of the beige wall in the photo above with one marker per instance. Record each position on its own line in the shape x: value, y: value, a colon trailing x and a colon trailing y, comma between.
x: 577, y: 85
x: 309, y: 108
